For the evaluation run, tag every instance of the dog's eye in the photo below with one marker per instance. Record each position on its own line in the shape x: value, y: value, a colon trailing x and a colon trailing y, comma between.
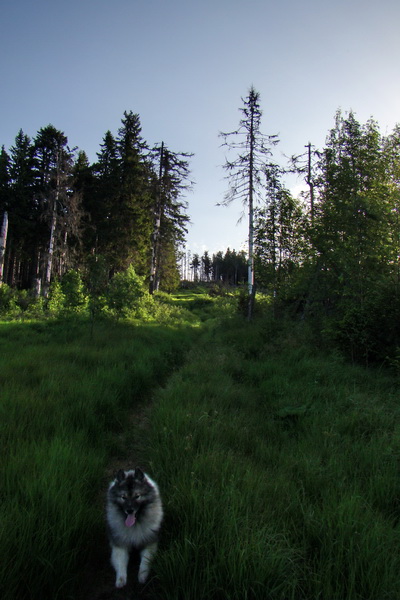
x: 123, y: 496
x: 136, y: 496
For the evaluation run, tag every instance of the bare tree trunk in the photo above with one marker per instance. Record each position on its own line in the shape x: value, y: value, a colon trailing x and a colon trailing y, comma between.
x: 3, y: 244
x: 36, y: 280
x: 50, y: 253
x: 63, y: 266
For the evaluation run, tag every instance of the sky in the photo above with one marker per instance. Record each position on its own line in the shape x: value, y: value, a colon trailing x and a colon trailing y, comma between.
x: 184, y: 66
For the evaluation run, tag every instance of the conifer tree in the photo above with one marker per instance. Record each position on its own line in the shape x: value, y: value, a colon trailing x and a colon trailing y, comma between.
x: 5, y: 181
x: 246, y: 172
x: 195, y: 265
x: 353, y: 218
x: 22, y: 257
x: 207, y: 265
x: 130, y: 216
x: 170, y: 218
x: 59, y: 208
x: 101, y: 203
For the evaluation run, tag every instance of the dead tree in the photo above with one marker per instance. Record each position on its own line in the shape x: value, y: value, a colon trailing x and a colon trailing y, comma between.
x: 246, y: 172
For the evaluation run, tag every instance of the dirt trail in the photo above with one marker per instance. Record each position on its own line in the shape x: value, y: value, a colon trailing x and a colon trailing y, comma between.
x: 99, y: 582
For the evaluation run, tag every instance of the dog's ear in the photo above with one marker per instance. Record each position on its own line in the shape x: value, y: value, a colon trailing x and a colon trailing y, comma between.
x: 120, y: 475
x: 139, y: 475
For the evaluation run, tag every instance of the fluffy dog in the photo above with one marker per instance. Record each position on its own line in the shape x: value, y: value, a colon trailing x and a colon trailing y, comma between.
x: 134, y: 515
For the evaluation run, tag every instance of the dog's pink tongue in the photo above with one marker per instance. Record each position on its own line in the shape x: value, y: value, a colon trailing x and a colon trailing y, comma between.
x: 130, y: 520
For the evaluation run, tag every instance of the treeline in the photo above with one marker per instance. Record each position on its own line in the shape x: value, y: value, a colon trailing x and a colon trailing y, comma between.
x: 59, y: 212
x: 229, y: 268
x: 332, y: 256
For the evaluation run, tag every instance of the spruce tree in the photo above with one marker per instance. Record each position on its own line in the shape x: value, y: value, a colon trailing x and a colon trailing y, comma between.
x: 131, y: 215
x: 101, y: 202
x: 21, y: 259
x: 170, y: 218
x: 5, y: 181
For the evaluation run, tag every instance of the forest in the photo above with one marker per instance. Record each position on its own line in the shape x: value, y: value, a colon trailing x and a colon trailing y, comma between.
x: 64, y: 213
x: 330, y: 256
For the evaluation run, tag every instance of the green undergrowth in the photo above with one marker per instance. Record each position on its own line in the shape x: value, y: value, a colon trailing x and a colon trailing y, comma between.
x: 66, y: 391
x: 279, y: 469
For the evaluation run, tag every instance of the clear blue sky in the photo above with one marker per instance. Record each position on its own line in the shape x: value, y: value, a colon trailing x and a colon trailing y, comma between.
x: 184, y: 65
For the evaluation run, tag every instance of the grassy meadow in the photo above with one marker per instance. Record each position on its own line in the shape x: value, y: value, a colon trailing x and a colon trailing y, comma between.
x: 280, y: 472
x: 278, y: 465
x: 66, y: 393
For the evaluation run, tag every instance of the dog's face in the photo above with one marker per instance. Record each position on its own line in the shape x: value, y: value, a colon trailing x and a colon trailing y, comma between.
x: 130, y: 492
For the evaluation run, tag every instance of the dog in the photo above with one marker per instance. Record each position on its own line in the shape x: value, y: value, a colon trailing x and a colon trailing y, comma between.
x: 134, y: 514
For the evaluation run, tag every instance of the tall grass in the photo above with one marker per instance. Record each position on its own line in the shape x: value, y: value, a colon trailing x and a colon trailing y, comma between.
x: 65, y: 396
x: 279, y: 471
x: 278, y: 466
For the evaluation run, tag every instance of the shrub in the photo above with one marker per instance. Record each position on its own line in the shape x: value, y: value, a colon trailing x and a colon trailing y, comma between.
x: 8, y: 306
x: 76, y: 299
x: 125, y: 292
x: 55, y: 303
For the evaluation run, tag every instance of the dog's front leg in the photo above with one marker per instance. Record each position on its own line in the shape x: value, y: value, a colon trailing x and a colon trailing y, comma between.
x: 146, y: 557
x: 119, y: 560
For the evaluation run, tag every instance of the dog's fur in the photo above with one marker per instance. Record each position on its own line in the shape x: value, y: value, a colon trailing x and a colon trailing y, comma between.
x: 134, y: 515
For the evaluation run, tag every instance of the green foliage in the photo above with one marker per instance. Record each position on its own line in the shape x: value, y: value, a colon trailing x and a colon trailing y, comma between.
x: 15, y: 304
x: 279, y: 239
x: 75, y: 296
x: 344, y: 280
x: 369, y: 332
x: 56, y: 299
x: 124, y: 293
x: 8, y: 306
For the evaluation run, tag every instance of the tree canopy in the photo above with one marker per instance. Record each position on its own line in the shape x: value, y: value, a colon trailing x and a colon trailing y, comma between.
x: 63, y: 210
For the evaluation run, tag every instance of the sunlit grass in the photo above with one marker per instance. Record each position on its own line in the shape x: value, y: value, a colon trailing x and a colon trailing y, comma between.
x: 279, y: 471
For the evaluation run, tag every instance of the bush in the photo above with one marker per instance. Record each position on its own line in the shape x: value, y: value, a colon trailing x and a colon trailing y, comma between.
x: 56, y: 300
x: 75, y: 296
x: 366, y: 330
x: 124, y: 293
x: 35, y: 308
x: 8, y: 306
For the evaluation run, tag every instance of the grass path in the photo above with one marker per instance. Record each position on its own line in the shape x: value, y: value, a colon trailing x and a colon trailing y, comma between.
x: 98, y: 577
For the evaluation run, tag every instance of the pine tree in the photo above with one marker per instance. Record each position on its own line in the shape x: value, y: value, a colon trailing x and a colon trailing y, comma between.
x: 5, y: 181
x: 85, y: 190
x: 100, y: 203
x: 279, y: 239
x: 246, y: 172
x: 21, y: 258
x: 207, y: 265
x: 59, y: 208
x: 170, y: 218
x: 131, y: 214
x: 195, y: 265
x: 352, y: 229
